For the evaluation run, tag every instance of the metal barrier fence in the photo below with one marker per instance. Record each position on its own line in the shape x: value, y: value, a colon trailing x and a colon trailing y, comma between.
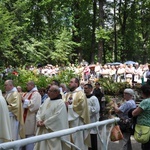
x: 100, y: 126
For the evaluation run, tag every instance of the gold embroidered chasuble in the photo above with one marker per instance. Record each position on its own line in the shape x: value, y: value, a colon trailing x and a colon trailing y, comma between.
x: 14, y: 102
x: 80, y: 106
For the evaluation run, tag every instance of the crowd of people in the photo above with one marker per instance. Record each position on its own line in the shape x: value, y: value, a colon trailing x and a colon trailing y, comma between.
x: 25, y: 114
x: 132, y: 73
x: 46, y: 110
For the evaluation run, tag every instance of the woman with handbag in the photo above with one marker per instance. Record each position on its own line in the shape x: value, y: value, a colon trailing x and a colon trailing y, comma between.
x: 122, y: 112
x: 143, y: 112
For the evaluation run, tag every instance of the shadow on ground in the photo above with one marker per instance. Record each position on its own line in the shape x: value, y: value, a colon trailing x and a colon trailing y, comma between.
x: 117, y: 146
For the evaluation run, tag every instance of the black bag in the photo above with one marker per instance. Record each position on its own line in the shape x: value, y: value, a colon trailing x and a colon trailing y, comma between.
x: 126, y: 125
x: 133, y: 120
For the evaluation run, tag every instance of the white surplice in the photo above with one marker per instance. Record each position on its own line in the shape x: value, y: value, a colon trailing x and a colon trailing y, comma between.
x: 5, y: 127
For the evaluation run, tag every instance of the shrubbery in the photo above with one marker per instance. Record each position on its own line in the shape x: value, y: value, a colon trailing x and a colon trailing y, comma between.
x: 40, y: 80
x: 110, y: 87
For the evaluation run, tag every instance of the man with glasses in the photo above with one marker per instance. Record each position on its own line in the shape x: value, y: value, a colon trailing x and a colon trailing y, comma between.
x: 51, y: 117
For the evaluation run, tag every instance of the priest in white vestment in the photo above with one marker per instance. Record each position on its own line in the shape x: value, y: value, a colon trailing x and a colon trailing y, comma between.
x: 5, y: 127
x: 31, y: 103
x: 78, y: 114
x: 94, y: 109
x: 51, y: 117
x: 14, y: 103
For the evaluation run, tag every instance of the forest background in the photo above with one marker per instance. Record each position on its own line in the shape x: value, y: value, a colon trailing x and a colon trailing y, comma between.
x: 68, y: 31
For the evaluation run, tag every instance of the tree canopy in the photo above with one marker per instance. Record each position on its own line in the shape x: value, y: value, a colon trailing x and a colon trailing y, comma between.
x: 60, y: 32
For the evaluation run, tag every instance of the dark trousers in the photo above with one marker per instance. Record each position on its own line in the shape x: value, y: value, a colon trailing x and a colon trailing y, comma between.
x: 93, y: 142
x: 146, y: 146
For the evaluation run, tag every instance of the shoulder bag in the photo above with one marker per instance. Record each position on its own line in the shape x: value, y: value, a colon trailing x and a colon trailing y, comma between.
x: 142, y: 133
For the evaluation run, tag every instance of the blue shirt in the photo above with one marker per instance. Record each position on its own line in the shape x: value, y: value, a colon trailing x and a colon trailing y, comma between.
x: 44, y: 97
x: 125, y: 107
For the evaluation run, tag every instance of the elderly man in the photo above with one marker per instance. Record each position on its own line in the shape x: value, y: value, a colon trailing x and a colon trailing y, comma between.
x: 94, y: 109
x: 31, y: 103
x: 5, y: 126
x: 51, y: 117
x: 78, y: 113
x: 14, y: 103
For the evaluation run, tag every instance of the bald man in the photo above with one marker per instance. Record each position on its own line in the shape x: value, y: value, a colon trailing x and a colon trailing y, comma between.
x: 14, y: 103
x: 31, y: 103
x: 51, y: 117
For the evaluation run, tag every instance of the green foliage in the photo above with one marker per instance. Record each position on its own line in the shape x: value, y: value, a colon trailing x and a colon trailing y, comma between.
x: 63, y: 48
x: 113, y: 88
x: 52, y: 31
x: 102, y: 34
x: 64, y: 76
x: 40, y: 80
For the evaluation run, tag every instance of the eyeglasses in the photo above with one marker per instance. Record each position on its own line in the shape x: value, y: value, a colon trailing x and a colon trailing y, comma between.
x: 51, y: 90
x: 96, y: 83
x: 126, y: 93
x: 86, y: 88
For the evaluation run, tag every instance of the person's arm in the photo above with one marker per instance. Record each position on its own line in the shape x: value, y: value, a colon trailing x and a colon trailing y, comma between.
x: 116, y: 108
x: 137, y: 111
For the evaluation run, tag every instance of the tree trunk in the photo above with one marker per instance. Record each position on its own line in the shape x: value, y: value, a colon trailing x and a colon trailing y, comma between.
x: 76, y: 36
x: 101, y: 25
x: 123, y: 28
x: 115, y: 34
x: 93, y: 33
